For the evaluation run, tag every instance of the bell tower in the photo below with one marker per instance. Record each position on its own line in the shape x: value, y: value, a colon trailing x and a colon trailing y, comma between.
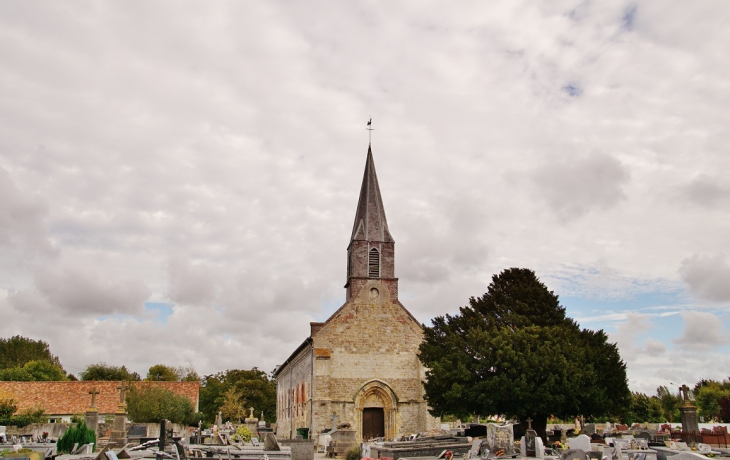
x: 371, y: 252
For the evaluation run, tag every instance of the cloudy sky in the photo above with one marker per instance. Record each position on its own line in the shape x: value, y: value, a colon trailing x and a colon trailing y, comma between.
x: 178, y: 181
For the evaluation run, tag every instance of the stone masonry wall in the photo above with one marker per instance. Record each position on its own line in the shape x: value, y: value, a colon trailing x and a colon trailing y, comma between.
x: 371, y: 338
x: 294, y: 395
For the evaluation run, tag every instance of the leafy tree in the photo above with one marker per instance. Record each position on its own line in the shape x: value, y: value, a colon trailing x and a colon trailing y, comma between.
x: 103, y: 371
x: 724, y: 414
x: 514, y: 352
x: 8, y: 408
x: 670, y: 403
x: 251, y: 388
x: 187, y: 374
x: 708, y: 399
x: 15, y: 374
x: 160, y: 372
x: 34, y: 371
x: 18, y: 350
x: 151, y: 404
x: 233, y: 408
x: 45, y: 371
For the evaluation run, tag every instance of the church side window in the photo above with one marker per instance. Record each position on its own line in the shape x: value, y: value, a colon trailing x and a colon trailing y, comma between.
x: 374, y: 264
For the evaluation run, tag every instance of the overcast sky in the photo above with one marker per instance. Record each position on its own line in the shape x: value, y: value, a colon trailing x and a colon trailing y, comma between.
x: 178, y: 181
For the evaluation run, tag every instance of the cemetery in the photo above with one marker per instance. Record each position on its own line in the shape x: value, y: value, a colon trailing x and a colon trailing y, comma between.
x: 254, y: 439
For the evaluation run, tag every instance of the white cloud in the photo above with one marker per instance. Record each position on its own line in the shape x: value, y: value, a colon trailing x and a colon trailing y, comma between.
x: 707, y: 277
x: 209, y: 157
x: 575, y: 186
x: 703, y: 330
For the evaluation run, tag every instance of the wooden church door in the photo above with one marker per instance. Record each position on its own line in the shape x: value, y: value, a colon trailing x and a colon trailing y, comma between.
x: 373, y: 423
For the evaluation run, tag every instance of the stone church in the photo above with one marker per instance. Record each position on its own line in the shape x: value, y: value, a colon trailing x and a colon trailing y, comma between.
x: 361, y: 365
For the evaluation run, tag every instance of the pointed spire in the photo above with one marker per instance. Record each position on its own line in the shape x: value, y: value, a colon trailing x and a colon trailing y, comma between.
x: 370, y: 222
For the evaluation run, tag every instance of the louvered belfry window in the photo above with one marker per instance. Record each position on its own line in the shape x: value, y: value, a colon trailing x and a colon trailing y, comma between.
x: 374, y: 264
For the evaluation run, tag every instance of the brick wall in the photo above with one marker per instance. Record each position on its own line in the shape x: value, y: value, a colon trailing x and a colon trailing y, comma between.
x: 64, y: 398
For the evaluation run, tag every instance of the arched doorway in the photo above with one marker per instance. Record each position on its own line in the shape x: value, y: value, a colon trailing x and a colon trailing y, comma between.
x: 377, y: 407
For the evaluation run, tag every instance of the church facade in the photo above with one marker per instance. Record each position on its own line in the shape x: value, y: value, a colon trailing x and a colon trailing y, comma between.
x: 360, y: 366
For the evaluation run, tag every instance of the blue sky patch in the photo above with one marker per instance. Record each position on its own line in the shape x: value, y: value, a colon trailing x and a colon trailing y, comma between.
x: 163, y: 310
x: 573, y: 89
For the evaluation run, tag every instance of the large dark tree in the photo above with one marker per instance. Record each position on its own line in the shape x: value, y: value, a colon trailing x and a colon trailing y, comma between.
x: 18, y: 350
x: 514, y: 352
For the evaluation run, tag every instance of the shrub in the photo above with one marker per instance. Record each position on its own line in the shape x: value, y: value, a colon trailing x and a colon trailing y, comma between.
x: 152, y: 404
x: 78, y: 433
x: 243, y: 433
x: 354, y: 453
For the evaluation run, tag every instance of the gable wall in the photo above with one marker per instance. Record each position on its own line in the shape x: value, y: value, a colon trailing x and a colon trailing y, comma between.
x: 370, y: 338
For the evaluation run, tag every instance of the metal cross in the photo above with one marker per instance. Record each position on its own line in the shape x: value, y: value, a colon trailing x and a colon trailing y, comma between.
x: 94, y: 391
x: 370, y: 130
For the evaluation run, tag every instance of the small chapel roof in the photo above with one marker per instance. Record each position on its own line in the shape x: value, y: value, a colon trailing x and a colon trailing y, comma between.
x: 370, y: 222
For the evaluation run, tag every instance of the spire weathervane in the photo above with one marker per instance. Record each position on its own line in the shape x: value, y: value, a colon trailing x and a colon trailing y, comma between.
x: 370, y: 130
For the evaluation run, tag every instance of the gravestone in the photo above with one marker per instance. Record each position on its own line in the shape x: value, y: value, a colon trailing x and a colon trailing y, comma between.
x: 590, y: 428
x: 475, y: 447
x: 270, y: 442
x: 581, y: 442
x: 683, y: 447
x: 622, y: 443
x: 573, y: 454
x: 539, y: 448
x: 500, y: 438
x: 92, y: 413
x: 118, y: 436
x: 530, y: 436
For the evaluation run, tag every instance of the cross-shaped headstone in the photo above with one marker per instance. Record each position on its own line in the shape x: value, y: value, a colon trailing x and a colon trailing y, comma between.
x: 122, y: 390
x: 529, y: 423
x: 684, y: 389
x: 94, y: 391
x: 251, y: 414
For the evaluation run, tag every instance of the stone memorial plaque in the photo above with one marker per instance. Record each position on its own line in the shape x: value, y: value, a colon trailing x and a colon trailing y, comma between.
x: 137, y: 430
x: 500, y: 438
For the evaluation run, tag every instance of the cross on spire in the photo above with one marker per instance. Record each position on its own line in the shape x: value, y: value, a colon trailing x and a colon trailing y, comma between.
x: 370, y: 130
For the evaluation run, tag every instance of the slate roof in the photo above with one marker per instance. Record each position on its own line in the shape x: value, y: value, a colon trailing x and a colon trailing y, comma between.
x: 68, y: 398
x: 370, y: 222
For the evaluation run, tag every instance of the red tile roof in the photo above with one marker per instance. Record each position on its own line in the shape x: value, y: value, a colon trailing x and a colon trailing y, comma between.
x: 63, y: 398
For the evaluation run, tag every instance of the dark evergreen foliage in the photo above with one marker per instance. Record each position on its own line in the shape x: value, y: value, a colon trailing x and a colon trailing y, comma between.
x: 78, y: 433
x: 514, y: 352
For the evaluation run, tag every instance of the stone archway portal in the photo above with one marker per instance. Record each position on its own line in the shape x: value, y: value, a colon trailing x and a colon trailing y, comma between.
x: 373, y: 423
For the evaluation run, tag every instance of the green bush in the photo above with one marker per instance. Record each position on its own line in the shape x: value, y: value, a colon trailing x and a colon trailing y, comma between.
x: 354, y: 453
x: 78, y: 433
x: 243, y: 433
x: 152, y: 404
x: 8, y: 407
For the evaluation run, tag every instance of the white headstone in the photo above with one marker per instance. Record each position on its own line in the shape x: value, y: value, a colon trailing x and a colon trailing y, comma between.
x: 539, y: 448
x: 581, y: 442
x: 523, y: 447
